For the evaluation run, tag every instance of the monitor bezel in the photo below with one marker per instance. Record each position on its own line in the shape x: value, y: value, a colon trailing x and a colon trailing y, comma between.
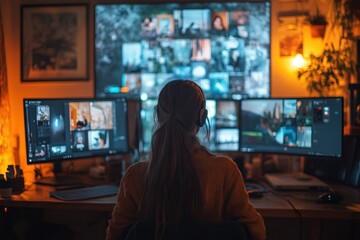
x: 61, y: 159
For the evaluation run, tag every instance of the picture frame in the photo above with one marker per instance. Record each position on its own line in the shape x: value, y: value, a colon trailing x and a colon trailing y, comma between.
x: 54, y: 42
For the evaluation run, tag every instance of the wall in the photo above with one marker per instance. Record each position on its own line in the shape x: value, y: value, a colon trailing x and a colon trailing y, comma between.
x: 283, y: 75
x: 19, y: 90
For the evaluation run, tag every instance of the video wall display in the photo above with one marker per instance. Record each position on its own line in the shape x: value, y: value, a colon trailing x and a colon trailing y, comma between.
x: 292, y: 126
x: 59, y: 129
x: 223, y: 46
x: 223, y: 116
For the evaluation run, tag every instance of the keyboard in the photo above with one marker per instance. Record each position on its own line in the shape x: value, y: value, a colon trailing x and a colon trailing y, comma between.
x: 85, y: 193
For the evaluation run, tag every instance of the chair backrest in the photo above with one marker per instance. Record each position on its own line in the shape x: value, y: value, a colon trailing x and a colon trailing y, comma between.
x: 225, y: 230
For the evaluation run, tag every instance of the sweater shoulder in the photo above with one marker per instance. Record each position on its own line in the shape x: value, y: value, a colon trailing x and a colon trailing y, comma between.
x: 218, y: 163
x: 136, y: 170
x: 222, y: 161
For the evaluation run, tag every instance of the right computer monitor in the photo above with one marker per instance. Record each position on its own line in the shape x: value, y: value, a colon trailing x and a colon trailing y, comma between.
x: 303, y: 126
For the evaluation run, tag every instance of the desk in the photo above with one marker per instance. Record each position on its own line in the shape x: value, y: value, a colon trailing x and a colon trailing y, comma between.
x: 38, y: 196
x: 288, y: 215
x: 328, y: 221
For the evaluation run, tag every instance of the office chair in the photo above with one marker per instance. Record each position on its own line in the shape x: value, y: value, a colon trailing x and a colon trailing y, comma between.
x: 225, y: 230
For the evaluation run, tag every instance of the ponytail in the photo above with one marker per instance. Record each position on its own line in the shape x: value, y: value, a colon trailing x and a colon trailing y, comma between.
x: 172, y: 191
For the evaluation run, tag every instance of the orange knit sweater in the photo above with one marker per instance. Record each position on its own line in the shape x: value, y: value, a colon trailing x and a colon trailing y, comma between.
x: 223, y: 192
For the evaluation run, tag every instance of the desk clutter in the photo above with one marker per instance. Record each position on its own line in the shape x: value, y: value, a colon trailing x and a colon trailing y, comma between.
x: 13, y: 183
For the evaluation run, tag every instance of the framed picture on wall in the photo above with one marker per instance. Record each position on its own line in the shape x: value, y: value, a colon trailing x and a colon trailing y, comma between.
x: 54, y: 42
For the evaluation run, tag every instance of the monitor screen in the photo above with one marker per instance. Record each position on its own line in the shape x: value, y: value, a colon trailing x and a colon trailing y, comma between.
x: 60, y: 129
x: 223, y: 46
x: 304, y: 126
x: 223, y: 121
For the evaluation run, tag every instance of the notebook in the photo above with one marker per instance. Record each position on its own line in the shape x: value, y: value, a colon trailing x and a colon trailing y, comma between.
x: 295, y: 181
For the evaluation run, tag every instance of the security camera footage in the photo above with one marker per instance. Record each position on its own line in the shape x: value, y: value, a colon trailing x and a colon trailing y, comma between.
x: 59, y: 129
x: 223, y: 119
x: 223, y: 46
x: 292, y: 126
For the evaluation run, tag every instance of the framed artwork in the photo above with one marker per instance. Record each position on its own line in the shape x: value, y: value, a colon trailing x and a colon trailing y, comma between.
x: 54, y: 42
x: 291, y: 36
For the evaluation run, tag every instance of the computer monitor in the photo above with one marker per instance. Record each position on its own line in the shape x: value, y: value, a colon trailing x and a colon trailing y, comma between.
x: 64, y: 129
x: 224, y: 46
x: 300, y: 126
x: 223, y: 118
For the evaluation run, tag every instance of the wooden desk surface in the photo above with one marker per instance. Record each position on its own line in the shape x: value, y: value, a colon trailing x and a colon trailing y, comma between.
x: 272, y: 204
x: 37, y: 196
x: 287, y: 215
x: 306, y: 203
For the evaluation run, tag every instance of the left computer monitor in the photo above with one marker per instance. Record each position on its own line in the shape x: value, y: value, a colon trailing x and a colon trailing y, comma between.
x: 64, y: 129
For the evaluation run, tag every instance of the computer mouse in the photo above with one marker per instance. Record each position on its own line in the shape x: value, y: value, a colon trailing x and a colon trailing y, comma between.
x: 255, y: 193
x: 330, y: 197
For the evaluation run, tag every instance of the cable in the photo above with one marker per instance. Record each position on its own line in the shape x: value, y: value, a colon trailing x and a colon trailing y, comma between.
x: 300, y: 218
x: 321, y: 229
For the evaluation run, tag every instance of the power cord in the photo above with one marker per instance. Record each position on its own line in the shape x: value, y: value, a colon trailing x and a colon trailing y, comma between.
x: 300, y: 218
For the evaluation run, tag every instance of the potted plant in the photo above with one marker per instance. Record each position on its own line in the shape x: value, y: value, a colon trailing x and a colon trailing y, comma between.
x: 332, y: 72
x: 326, y: 72
x: 318, y: 24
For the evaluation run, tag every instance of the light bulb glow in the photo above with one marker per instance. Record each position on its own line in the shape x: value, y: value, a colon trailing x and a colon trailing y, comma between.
x: 298, y: 61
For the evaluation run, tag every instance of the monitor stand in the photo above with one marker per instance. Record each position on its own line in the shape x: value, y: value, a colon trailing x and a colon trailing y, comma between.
x: 296, y: 180
x: 60, y: 178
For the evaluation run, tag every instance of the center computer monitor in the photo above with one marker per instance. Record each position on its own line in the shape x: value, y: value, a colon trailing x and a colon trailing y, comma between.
x: 301, y: 126
x: 224, y: 46
x: 223, y: 116
x: 64, y: 129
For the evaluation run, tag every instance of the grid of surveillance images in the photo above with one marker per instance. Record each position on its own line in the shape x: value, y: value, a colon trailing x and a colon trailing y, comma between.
x: 89, y: 125
x: 280, y: 122
x: 224, y: 47
x: 223, y: 119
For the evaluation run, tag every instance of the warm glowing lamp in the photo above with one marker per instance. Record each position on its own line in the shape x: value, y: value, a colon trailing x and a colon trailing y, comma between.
x: 6, y: 156
x: 298, y: 61
x: 5, y: 138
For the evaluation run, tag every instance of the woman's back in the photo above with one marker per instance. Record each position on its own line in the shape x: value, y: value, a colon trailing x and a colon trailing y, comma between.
x: 223, y: 192
x: 182, y: 181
